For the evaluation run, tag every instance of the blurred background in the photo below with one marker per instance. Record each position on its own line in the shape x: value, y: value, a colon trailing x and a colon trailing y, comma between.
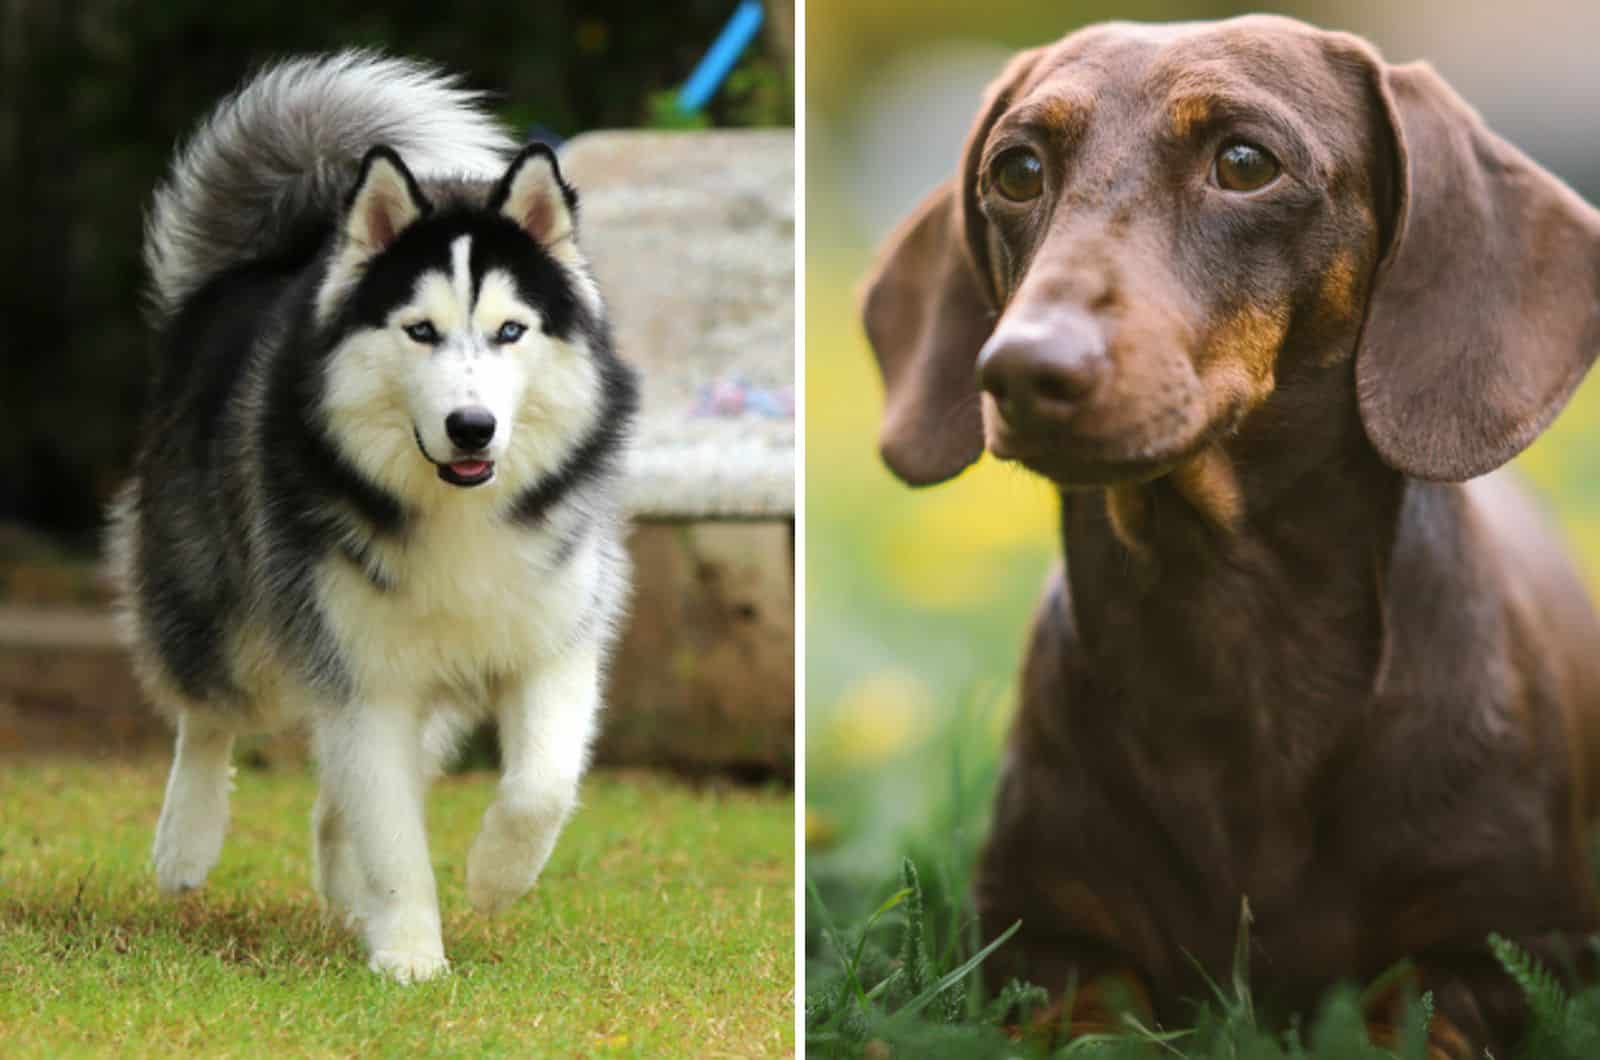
x: 94, y: 97
x: 917, y: 600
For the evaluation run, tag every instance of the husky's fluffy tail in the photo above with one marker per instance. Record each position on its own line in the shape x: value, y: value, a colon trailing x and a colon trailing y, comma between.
x: 283, y: 150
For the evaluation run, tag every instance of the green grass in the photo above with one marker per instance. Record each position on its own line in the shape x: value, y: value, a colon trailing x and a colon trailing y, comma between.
x: 663, y: 926
x: 894, y: 961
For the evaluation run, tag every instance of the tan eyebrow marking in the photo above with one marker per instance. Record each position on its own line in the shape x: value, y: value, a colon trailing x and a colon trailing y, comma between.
x: 1058, y: 113
x: 1187, y: 113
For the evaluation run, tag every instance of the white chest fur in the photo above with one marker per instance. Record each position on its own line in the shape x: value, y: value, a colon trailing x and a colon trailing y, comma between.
x: 467, y: 597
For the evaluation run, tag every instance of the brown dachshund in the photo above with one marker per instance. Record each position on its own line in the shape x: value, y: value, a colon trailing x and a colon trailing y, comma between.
x: 1261, y: 304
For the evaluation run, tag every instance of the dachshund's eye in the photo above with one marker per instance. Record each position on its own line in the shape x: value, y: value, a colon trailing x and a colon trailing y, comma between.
x: 1244, y: 166
x: 1018, y: 175
x: 423, y: 331
x: 510, y: 331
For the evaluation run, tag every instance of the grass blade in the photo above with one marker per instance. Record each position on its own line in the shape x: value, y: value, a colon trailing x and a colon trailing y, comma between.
x: 1241, y: 965
x: 918, y: 1003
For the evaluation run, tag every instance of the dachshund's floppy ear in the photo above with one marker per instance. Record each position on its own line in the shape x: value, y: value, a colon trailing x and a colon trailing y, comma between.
x: 1485, y: 312
x: 928, y: 307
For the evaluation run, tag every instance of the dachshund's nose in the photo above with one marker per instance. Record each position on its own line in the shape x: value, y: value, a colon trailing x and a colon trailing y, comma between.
x: 1040, y: 364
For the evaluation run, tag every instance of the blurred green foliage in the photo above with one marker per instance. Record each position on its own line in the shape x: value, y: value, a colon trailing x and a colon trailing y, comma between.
x: 94, y: 94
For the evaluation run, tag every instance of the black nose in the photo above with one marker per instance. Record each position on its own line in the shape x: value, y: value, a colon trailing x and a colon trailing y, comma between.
x: 1041, y: 364
x: 471, y: 427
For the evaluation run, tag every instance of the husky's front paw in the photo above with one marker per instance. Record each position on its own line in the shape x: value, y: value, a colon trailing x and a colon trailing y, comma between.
x: 500, y: 870
x: 194, y: 814
x: 519, y: 831
x: 407, y: 967
x: 178, y: 872
x: 182, y: 858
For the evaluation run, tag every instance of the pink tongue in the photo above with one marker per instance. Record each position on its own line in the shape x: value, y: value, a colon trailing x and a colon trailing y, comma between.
x: 469, y: 468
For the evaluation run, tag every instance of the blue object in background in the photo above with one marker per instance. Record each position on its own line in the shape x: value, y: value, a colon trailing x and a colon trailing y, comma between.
x: 543, y: 134
x: 721, y: 57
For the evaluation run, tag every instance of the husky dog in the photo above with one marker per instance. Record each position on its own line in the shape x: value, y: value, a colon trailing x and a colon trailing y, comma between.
x: 378, y: 492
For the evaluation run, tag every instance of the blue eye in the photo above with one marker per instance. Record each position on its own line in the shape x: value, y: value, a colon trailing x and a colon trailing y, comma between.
x: 510, y: 331
x: 423, y: 332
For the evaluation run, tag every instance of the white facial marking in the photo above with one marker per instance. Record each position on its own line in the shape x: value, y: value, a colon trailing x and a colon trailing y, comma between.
x: 461, y: 272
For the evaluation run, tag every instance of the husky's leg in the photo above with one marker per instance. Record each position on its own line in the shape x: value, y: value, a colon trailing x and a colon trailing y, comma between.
x: 194, y: 815
x: 546, y: 726
x: 334, y: 867
x: 442, y: 736
x: 370, y: 762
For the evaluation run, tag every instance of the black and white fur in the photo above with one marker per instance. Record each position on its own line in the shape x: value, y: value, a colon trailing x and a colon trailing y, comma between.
x: 378, y: 492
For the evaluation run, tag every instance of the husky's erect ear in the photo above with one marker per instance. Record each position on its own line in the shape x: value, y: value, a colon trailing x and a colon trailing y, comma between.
x: 383, y: 203
x: 533, y: 195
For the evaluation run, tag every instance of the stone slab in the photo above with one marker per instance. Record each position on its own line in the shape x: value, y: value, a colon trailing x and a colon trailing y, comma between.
x: 691, y: 235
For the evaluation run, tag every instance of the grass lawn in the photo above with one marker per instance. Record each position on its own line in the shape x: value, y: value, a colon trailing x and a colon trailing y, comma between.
x: 663, y: 926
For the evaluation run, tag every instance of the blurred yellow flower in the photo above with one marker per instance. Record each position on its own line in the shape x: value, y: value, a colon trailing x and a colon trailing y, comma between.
x: 942, y: 548
x: 821, y: 831
x: 877, y: 717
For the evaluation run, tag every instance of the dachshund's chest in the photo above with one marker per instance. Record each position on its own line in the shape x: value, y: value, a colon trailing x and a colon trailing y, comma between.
x: 1166, y: 872
x: 1244, y: 853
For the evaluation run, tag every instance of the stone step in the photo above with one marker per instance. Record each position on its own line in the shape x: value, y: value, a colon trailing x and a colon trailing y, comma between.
x: 691, y: 235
